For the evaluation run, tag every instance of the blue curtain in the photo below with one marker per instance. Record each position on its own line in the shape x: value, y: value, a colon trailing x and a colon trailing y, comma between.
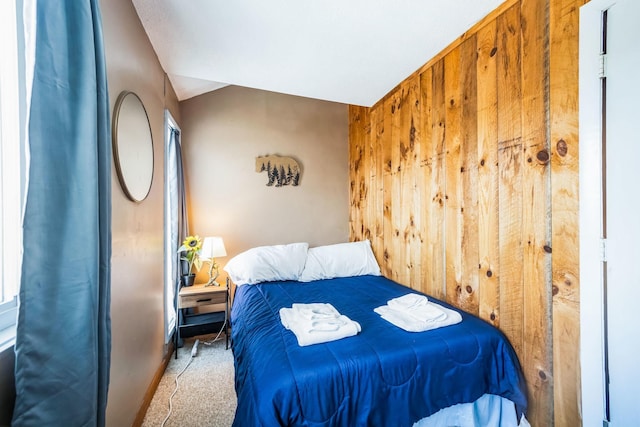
x: 63, y: 340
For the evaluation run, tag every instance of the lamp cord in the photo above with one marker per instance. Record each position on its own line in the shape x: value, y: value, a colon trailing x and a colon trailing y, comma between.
x: 175, y: 390
x: 217, y: 338
x: 193, y: 354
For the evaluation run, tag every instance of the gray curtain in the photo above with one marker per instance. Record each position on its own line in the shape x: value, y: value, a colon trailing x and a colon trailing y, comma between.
x: 177, y: 203
x: 63, y: 340
x: 177, y: 215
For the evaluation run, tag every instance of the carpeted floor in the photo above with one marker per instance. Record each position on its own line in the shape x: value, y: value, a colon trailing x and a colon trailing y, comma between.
x: 206, y: 394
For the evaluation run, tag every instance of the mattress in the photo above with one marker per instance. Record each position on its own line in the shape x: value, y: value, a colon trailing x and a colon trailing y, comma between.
x: 384, y: 376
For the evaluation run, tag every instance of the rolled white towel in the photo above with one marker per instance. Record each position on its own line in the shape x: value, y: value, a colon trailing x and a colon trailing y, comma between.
x: 427, y: 313
x: 287, y: 317
x: 403, y: 319
x: 417, y: 306
x: 316, y: 331
x: 408, y: 301
x: 315, y: 311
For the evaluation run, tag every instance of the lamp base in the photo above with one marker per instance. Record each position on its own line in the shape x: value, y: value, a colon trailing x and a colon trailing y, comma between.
x: 212, y: 277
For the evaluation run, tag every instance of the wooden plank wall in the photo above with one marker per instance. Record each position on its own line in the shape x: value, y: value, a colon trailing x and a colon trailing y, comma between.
x: 465, y: 179
x: 563, y: 93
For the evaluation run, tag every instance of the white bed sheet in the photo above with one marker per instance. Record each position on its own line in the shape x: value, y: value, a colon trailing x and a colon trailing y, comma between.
x: 488, y: 411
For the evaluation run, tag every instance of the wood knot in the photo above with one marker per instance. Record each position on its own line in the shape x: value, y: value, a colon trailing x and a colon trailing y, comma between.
x: 417, y: 102
x: 493, y: 52
x: 489, y: 273
x: 529, y: 160
x: 493, y: 316
x: 458, y: 289
x: 567, y: 282
x: 543, y: 156
x: 554, y: 290
x: 469, y: 289
x: 562, y: 148
x: 542, y: 375
x: 403, y: 150
x: 393, y: 108
x: 386, y: 255
x: 452, y: 102
x: 547, y: 248
x: 482, y: 162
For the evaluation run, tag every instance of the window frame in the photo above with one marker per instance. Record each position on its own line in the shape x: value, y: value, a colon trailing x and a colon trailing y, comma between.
x: 170, y: 311
x: 13, y: 163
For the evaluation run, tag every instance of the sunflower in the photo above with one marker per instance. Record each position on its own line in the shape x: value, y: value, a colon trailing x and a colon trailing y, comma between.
x: 191, y: 252
x: 192, y: 243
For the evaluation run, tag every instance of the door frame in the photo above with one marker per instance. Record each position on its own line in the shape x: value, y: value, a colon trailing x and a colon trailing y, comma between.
x: 592, y: 249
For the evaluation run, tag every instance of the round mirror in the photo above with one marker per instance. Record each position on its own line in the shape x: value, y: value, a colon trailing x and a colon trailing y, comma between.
x: 132, y: 146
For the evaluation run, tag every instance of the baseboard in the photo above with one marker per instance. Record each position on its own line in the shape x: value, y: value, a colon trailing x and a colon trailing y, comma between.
x: 148, y: 396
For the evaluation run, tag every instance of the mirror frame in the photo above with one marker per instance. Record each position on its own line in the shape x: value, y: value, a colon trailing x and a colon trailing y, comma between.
x: 125, y: 177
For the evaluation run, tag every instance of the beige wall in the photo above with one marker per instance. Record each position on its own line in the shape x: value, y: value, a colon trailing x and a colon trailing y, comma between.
x: 225, y: 130
x: 137, y: 263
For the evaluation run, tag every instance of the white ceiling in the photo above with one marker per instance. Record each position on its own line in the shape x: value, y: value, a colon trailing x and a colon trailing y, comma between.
x: 347, y: 51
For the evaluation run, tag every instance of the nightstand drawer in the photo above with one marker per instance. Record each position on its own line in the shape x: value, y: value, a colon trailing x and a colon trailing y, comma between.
x: 200, y: 309
x: 200, y: 295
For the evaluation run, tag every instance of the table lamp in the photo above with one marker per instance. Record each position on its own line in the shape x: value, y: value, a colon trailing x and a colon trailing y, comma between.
x: 212, y: 247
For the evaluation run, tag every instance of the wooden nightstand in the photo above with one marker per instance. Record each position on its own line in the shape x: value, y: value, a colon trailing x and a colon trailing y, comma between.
x: 190, y: 324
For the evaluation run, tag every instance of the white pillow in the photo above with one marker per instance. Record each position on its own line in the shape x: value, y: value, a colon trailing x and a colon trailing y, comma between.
x: 340, y: 260
x: 268, y: 264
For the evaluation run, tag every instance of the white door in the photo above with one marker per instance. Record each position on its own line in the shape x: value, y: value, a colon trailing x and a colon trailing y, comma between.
x: 618, y: 278
x: 622, y: 210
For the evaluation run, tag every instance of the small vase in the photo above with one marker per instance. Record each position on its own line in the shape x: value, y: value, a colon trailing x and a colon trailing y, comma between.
x: 188, y: 279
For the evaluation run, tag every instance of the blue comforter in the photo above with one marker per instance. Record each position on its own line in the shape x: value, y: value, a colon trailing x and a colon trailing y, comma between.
x: 384, y: 376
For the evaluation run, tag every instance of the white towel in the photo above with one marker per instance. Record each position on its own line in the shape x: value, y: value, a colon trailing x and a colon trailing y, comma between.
x: 306, y: 321
x: 408, y: 301
x: 316, y: 311
x: 421, y: 318
x: 417, y: 306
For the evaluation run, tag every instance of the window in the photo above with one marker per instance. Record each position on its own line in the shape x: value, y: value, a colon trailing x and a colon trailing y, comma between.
x: 12, y: 161
x: 171, y: 233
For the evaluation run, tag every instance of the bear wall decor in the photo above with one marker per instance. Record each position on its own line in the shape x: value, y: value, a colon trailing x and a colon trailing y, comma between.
x: 281, y: 170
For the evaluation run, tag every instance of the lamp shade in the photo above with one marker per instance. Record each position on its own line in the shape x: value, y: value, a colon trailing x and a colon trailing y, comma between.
x: 213, y: 247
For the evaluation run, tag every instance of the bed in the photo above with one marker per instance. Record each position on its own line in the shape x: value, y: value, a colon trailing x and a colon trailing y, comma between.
x: 383, y: 376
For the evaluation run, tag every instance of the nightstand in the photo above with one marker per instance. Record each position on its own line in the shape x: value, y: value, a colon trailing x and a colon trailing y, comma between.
x: 216, y: 298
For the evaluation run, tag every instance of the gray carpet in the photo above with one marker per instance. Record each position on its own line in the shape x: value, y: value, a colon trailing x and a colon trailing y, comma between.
x: 206, y: 394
